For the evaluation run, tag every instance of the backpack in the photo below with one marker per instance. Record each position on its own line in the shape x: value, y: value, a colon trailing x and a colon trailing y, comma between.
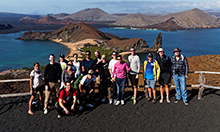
x: 76, y: 83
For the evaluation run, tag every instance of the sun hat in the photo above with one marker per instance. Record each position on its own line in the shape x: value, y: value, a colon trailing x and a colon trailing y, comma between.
x: 176, y: 50
x: 160, y: 50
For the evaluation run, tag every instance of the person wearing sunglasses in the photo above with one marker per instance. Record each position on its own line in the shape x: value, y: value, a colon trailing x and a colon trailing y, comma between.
x: 68, y: 75
x: 121, y: 69
x: 88, y: 63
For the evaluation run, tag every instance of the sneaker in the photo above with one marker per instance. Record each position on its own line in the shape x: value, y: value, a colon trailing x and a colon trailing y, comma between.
x: 134, y: 101
x: 186, y: 103
x: 110, y: 101
x: 154, y: 101
x: 122, y: 102
x: 176, y: 101
x: 149, y: 99
x: 89, y: 105
x: 45, y: 111
x: 59, y: 116
x: 132, y: 97
x: 80, y: 108
x: 117, y: 103
x: 161, y: 100
x: 103, y: 100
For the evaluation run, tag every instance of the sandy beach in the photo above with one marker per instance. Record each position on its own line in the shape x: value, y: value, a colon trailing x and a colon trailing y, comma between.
x: 74, y: 47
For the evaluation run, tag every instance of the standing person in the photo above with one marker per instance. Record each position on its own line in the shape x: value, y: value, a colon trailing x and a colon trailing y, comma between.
x: 68, y: 75
x: 180, y: 74
x: 120, y: 69
x: 151, y: 75
x: 98, y: 61
x: 76, y: 63
x: 66, y: 100
x: 52, y: 74
x: 134, y: 63
x: 88, y: 63
x: 63, y: 62
x: 36, y: 84
x: 164, y: 62
x: 87, y: 83
x: 105, y: 77
x: 114, y: 86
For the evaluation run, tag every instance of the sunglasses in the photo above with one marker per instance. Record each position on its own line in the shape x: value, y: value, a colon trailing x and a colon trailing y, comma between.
x: 69, y: 64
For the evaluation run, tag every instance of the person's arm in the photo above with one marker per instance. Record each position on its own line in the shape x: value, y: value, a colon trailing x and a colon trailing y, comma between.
x: 62, y: 106
x: 92, y: 87
x: 31, y: 83
x: 80, y: 87
x: 127, y: 68
x: 59, y: 71
x: 113, y: 73
x: 187, y: 67
x: 138, y: 64
x: 63, y: 78
x: 74, y: 102
x: 46, y: 75
x: 144, y: 71
x: 158, y: 70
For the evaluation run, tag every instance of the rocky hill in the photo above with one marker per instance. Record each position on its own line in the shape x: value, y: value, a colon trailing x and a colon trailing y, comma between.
x: 92, y: 14
x: 74, y: 33
x: 5, y: 26
x: 194, y: 18
x: 47, y: 20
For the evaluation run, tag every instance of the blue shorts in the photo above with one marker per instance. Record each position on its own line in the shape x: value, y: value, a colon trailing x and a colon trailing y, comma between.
x: 151, y: 83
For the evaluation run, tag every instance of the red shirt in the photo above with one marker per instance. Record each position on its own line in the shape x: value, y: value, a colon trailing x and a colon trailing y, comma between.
x: 66, y: 98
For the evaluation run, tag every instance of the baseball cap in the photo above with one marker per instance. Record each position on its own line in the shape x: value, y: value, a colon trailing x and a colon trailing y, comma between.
x: 62, y: 55
x: 150, y: 55
x: 91, y: 72
x: 160, y: 50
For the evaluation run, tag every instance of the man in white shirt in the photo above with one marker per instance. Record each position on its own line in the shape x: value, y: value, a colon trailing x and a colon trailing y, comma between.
x: 87, y: 84
x: 134, y: 63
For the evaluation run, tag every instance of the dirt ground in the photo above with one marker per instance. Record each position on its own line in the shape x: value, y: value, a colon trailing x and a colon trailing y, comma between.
x: 144, y: 116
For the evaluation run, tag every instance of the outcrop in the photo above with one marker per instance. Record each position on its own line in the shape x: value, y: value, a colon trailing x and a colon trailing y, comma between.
x: 5, y: 26
x: 74, y: 33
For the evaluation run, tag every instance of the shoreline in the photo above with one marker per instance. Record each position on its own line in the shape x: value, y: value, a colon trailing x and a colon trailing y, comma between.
x: 74, y: 47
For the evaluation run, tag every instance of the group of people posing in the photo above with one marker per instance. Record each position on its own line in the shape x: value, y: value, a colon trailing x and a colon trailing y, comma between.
x: 68, y: 83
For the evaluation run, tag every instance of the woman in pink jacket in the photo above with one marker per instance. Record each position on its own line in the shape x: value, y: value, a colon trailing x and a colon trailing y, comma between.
x: 121, y: 70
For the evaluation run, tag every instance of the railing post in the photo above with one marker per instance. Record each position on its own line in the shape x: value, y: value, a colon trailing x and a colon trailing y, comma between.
x: 202, y: 81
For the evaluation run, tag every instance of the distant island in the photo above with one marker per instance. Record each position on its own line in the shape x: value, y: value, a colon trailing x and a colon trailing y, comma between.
x: 81, y: 34
x: 190, y: 19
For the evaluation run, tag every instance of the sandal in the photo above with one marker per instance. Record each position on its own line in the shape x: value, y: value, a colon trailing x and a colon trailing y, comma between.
x: 161, y: 100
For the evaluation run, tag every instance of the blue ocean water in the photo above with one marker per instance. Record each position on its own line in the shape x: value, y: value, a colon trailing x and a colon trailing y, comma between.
x: 191, y: 42
x: 17, y: 54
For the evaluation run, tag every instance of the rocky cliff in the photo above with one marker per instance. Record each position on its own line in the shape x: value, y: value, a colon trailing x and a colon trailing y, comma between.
x: 82, y: 31
x: 5, y: 26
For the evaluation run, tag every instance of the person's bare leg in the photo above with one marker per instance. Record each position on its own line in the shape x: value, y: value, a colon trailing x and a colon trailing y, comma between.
x: 149, y: 92
x: 135, y: 92
x: 30, y: 103
x: 154, y: 93
x: 167, y: 93
x: 161, y: 93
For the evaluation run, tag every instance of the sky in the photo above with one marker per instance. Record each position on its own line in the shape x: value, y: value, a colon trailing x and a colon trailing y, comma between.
x: 43, y: 7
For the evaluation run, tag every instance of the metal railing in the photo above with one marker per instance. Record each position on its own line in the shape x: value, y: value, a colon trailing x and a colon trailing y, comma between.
x: 202, y: 84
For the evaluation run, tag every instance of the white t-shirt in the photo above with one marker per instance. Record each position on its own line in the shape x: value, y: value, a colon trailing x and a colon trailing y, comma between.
x: 63, y: 65
x: 85, y: 81
x: 77, y: 65
x: 37, y: 79
x: 111, y: 65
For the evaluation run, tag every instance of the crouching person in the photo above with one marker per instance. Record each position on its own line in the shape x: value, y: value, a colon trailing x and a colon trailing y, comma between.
x: 66, y: 100
x: 87, y: 83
